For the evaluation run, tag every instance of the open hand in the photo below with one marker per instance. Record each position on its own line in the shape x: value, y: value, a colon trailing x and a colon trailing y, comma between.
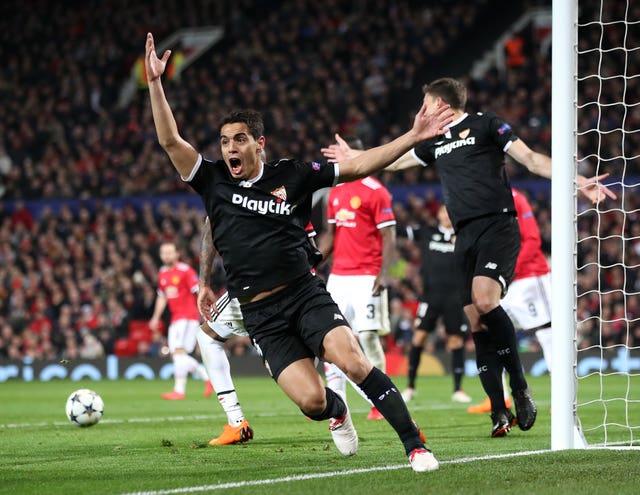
x: 206, y: 302
x: 153, y: 65
x: 340, y: 151
x: 593, y: 189
x: 426, y: 126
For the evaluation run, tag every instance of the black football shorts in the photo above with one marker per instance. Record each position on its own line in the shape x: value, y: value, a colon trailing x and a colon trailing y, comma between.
x: 447, y: 306
x: 291, y: 324
x: 487, y: 246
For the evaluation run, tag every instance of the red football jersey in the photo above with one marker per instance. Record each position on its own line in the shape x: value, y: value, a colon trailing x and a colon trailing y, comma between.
x: 531, y: 260
x: 179, y: 285
x: 359, y: 209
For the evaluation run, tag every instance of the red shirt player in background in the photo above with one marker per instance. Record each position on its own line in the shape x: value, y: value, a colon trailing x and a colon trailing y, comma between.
x: 361, y: 235
x: 528, y: 301
x: 177, y: 287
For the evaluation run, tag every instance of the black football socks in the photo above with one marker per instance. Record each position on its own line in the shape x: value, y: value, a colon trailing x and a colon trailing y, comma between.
x: 336, y: 408
x: 489, y: 369
x: 414, y: 361
x: 504, y: 336
x: 386, y: 398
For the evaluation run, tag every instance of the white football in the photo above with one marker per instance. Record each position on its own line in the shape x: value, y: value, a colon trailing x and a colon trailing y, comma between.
x: 84, y: 407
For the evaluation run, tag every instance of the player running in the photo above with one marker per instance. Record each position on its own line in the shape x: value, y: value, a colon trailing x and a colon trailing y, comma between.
x: 255, y: 209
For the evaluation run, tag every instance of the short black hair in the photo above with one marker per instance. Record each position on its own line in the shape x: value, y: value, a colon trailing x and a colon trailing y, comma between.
x: 452, y: 91
x: 252, y: 118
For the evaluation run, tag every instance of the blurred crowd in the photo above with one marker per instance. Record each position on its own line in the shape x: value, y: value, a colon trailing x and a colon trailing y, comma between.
x: 72, y: 280
x: 313, y: 68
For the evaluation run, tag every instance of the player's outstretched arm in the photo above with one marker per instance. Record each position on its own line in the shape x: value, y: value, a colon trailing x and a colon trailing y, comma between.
x: 182, y: 154
x: 206, y: 298
x: 341, y: 151
x: 540, y: 164
x: 425, y: 126
x: 537, y: 163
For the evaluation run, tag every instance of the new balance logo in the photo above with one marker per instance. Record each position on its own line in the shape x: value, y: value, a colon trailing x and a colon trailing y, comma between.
x: 336, y: 316
x: 491, y: 265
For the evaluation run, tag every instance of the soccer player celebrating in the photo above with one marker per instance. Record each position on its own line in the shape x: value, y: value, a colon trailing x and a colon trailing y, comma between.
x: 258, y: 213
x: 440, y: 299
x: 361, y: 236
x: 177, y: 286
x: 469, y: 158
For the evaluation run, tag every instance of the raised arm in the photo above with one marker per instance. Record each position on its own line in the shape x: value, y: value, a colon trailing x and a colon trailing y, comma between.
x: 206, y: 297
x: 341, y: 151
x: 540, y: 164
x: 375, y: 159
x: 537, y: 163
x: 182, y: 154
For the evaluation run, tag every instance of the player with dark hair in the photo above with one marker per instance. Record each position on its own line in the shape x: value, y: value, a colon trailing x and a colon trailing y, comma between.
x: 258, y: 213
x: 469, y: 158
x: 440, y: 299
x: 360, y: 235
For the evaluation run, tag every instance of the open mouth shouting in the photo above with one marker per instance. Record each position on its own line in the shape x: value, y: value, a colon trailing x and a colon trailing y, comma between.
x: 235, y: 166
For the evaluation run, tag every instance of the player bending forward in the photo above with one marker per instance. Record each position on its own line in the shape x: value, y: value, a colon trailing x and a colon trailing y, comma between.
x: 258, y: 213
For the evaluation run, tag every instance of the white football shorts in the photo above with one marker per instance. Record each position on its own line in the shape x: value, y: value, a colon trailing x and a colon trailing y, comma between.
x: 227, y: 322
x: 528, y: 302
x: 182, y: 335
x: 363, y: 311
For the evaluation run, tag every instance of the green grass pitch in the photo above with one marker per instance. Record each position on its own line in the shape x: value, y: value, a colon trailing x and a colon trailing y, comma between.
x: 145, y: 444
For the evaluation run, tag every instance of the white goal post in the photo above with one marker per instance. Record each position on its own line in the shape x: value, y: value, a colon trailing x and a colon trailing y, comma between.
x: 564, y: 429
x: 594, y: 127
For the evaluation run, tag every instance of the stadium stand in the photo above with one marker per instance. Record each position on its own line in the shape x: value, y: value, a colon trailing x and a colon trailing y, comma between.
x: 77, y: 272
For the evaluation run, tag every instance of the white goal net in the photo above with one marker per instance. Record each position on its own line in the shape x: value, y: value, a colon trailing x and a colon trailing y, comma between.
x: 603, y: 382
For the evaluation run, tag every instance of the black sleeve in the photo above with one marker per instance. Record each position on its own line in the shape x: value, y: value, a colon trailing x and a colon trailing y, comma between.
x: 423, y: 152
x: 500, y: 131
x: 201, y: 176
x: 317, y: 175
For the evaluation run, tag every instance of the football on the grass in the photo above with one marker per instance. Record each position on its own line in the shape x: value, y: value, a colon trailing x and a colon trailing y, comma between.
x: 84, y: 407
